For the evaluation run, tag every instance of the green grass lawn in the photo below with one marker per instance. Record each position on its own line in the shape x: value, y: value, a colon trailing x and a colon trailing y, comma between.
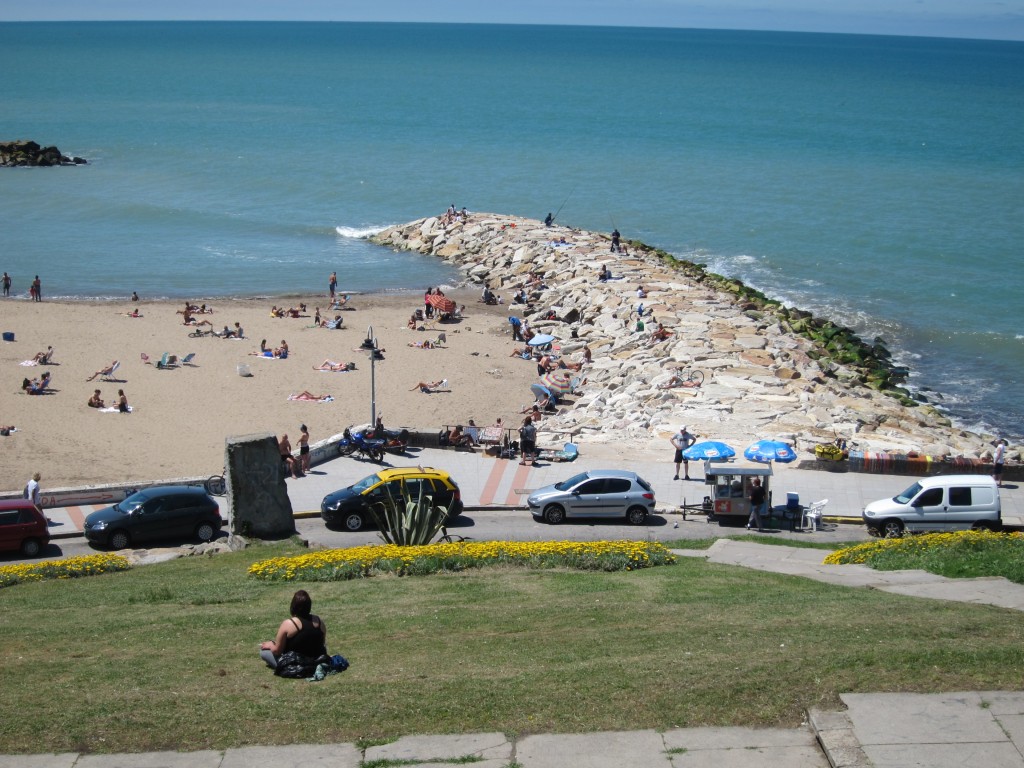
x: 165, y: 656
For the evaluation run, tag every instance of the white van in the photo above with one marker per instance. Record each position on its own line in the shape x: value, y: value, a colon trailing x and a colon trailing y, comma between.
x: 944, y: 503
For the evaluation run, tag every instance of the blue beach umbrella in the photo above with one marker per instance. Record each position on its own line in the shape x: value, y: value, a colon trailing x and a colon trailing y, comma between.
x: 540, y: 392
x: 767, y: 451
x: 541, y: 339
x: 709, y: 449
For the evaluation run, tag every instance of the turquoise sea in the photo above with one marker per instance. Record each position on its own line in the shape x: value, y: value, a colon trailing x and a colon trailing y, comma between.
x: 878, y: 180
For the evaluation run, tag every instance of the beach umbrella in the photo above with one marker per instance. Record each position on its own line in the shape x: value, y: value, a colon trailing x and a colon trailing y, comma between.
x: 541, y: 339
x: 556, y: 382
x: 540, y: 391
x: 767, y: 451
x: 441, y: 303
x: 708, y: 449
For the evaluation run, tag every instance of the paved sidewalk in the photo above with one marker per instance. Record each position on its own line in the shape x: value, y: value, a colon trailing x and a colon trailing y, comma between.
x: 498, y: 483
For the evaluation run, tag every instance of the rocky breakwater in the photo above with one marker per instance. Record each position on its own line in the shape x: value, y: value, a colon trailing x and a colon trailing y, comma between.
x: 28, y: 153
x: 770, y: 371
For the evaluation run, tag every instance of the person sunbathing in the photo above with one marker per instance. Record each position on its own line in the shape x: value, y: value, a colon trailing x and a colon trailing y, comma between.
x: 679, y: 381
x: 458, y: 437
x: 428, y: 387
x: 33, y: 387
x: 282, y: 351
x: 43, y: 358
x: 306, y: 395
x: 330, y: 365
x: 275, y: 312
x: 660, y: 334
x: 104, y: 371
x: 96, y: 401
x: 425, y: 344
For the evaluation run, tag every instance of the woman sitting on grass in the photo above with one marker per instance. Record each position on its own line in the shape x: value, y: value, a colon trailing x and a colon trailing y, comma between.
x: 303, y: 633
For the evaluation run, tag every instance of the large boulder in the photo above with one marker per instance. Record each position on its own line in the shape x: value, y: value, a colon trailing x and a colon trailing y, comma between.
x: 258, y: 503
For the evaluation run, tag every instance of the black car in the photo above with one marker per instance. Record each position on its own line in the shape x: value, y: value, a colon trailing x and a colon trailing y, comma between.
x: 349, y: 508
x: 169, y: 512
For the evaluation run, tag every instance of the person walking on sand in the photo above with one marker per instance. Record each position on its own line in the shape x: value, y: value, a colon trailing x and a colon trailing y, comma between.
x: 757, y: 502
x: 304, y: 448
x: 682, y: 440
x: 7, y: 284
x: 32, y: 492
x: 332, y: 284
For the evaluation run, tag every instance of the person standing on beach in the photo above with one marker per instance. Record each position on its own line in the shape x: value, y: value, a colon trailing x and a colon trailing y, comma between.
x: 32, y: 491
x: 682, y: 440
x: 7, y: 284
x: 36, y: 290
x: 615, y: 240
x: 997, y: 463
x: 304, y: 448
x: 332, y: 284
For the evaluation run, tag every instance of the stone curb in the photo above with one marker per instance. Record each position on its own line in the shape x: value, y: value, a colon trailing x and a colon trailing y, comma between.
x: 834, y: 732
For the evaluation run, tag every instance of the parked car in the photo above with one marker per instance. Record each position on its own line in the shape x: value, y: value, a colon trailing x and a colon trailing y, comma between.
x: 942, y: 503
x: 349, y: 508
x: 166, y: 512
x: 595, y: 493
x: 23, y: 528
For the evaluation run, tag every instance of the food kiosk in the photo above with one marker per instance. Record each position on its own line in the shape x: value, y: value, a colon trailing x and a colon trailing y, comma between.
x: 730, y: 490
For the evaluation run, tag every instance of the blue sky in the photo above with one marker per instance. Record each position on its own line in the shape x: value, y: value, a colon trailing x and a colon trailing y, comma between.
x: 997, y: 19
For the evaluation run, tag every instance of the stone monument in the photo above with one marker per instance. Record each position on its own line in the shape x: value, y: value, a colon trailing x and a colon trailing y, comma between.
x: 257, y: 494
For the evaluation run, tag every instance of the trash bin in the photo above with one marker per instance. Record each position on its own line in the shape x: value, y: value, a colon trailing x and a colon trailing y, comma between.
x: 8, y: 335
x: 243, y: 370
x: 793, y: 502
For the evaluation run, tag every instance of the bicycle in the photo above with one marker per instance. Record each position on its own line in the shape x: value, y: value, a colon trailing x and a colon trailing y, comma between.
x: 198, y: 333
x: 451, y: 538
x: 681, y: 378
x: 215, y: 485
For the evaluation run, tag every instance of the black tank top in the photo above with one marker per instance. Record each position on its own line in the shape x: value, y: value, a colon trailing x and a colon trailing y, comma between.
x: 309, y: 640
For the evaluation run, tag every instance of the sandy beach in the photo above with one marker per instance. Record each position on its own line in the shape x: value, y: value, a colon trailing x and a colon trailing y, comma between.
x: 182, y: 415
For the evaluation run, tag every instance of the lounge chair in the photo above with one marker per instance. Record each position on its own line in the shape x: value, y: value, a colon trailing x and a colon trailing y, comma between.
x: 108, y: 373
x: 42, y: 387
x: 187, y: 359
x: 47, y: 359
x: 568, y: 453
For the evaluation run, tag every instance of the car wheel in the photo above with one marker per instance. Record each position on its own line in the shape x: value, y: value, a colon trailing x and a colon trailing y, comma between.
x: 31, y: 548
x: 205, y: 532
x: 636, y: 515
x: 119, y: 540
x: 353, y: 521
x: 554, y: 514
x: 892, y: 529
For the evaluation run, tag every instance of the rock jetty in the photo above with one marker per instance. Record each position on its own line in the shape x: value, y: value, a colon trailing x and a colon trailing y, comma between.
x: 770, y: 371
x: 29, y: 154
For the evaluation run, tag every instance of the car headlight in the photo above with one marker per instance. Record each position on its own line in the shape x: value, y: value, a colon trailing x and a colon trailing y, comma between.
x: 867, y: 513
x: 333, y: 506
x: 99, y: 526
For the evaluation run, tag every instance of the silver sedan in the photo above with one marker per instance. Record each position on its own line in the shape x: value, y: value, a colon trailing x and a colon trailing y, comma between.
x: 595, y: 493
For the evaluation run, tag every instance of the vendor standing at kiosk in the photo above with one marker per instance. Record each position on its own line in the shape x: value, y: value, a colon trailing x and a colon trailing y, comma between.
x: 757, y: 497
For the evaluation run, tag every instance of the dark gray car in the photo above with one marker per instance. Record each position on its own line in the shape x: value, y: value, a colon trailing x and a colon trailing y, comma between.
x: 595, y: 493
x: 169, y: 512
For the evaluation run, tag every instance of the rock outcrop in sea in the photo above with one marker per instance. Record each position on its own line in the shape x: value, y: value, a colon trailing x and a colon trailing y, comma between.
x: 770, y: 371
x: 29, y: 153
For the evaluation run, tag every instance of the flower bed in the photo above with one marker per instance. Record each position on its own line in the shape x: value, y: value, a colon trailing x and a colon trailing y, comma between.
x: 962, y: 554
x: 71, y: 568
x: 359, y: 562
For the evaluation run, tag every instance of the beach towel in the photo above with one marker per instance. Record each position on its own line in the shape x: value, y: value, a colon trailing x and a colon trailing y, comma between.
x: 29, y: 362
x: 114, y: 409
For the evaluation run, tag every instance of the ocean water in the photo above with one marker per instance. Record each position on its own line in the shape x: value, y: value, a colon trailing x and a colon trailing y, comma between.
x: 877, y: 180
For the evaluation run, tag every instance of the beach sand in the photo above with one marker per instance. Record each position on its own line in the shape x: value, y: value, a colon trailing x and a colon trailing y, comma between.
x: 181, y: 416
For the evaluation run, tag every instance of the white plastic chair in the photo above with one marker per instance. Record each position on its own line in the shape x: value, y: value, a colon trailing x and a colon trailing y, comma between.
x: 812, y: 514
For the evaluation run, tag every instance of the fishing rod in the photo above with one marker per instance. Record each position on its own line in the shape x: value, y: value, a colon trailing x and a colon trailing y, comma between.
x: 563, y: 204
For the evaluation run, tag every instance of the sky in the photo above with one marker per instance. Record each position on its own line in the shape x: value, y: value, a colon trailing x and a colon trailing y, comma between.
x: 991, y: 19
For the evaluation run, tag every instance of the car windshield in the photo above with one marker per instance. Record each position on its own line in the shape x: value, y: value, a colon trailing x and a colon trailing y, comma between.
x: 130, y: 504
x: 907, y: 495
x: 366, y: 483
x: 572, y: 481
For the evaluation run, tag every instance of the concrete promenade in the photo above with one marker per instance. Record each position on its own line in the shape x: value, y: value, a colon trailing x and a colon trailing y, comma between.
x: 500, y: 484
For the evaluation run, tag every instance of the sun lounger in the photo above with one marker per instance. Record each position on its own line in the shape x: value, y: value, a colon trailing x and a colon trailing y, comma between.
x: 108, y: 374
x: 568, y: 453
x: 187, y: 359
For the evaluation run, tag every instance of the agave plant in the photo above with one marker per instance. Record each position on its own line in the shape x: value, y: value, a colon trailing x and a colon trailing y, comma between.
x: 408, y: 521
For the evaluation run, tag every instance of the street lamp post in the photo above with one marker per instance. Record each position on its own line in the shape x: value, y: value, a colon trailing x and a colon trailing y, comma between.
x: 370, y: 345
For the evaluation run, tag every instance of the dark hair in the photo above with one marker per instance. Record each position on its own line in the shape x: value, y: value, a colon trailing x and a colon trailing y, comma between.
x: 302, y: 604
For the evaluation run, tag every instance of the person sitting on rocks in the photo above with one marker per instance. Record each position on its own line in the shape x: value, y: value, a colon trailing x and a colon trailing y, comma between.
x: 660, y: 334
x: 458, y: 437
